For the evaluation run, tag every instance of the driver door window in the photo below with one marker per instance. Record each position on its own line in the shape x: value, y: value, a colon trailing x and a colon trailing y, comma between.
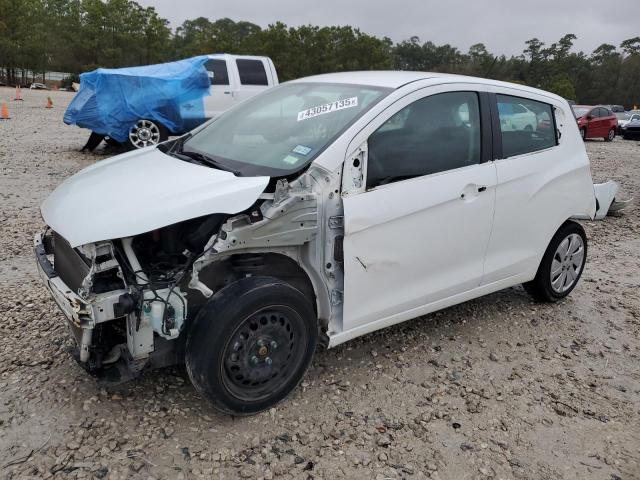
x: 434, y: 134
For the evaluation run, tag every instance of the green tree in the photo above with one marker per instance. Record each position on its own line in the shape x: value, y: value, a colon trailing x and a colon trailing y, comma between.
x: 562, y: 86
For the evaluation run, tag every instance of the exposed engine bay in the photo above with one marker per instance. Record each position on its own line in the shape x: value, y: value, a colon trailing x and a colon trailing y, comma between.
x: 132, y: 299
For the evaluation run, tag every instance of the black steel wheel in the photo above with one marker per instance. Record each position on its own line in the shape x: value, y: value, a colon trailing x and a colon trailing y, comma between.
x: 250, y: 346
x: 261, y: 355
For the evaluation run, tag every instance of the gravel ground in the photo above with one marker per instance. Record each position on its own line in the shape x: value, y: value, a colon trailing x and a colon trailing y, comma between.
x: 499, y: 387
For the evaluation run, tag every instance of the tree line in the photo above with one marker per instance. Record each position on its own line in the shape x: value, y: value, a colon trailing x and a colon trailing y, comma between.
x: 81, y: 35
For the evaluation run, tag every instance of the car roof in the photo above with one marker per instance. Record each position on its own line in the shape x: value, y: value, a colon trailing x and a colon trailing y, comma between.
x: 398, y: 78
x: 374, y: 78
x: 231, y: 55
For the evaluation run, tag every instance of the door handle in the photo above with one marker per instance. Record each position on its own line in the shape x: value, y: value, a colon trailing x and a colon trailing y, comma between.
x: 471, y: 191
x: 227, y: 93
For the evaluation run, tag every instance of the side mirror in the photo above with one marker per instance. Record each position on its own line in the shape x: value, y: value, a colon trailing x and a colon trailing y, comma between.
x: 589, y: 117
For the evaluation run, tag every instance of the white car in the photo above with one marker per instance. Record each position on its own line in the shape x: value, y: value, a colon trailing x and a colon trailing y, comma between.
x: 515, y: 116
x: 318, y: 211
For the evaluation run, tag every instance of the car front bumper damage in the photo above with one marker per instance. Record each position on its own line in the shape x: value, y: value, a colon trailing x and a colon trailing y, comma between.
x: 82, y: 315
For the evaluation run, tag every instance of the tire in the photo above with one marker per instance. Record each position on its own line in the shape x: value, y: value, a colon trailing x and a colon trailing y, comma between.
x: 145, y: 133
x: 611, y: 135
x: 251, y: 344
x: 543, y: 288
x: 583, y: 133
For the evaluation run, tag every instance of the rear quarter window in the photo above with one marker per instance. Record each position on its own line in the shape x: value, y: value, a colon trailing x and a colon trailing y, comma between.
x: 525, y: 125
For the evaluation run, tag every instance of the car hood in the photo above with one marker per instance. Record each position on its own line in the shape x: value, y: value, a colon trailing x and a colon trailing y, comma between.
x: 141, y: 191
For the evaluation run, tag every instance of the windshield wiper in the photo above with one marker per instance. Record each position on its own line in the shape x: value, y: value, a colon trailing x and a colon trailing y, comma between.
x: 177, y: 150
x: 205, y: 160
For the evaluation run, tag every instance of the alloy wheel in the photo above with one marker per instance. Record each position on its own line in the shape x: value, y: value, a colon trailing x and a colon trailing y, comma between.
x: 144, y: 134
x: 567, y: 263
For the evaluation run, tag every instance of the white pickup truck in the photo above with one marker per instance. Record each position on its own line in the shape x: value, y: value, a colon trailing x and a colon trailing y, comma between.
x: 234, y: 78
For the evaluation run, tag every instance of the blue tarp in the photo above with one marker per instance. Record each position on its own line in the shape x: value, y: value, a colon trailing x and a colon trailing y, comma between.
x: 110, y: 101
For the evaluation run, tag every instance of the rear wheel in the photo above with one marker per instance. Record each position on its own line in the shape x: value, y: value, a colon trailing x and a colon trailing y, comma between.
x: 251, y: 344
x: 146, y: 133
x: 611, y: 135
x: 561, y: 265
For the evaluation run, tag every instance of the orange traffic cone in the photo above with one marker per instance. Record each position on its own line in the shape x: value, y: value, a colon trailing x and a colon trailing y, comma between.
x: 18, y: 94
x: 49, y: 103
x: 4, y: 112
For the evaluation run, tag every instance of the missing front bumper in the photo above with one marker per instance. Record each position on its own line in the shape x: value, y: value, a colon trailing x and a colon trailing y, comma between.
x: 82, y: 315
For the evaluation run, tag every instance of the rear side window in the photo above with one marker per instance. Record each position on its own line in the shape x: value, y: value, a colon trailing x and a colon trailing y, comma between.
x: 434, y: 134
x: 526, y: 125
x: 219, y: 70
x: 252, y: 72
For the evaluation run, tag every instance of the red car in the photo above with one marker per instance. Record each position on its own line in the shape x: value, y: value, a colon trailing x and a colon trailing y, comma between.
x: 596, y: 122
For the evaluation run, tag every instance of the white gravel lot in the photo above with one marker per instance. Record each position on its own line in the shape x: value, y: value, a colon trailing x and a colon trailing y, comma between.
x: 499, y: 387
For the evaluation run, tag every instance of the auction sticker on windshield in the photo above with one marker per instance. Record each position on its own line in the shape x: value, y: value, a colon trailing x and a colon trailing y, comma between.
x: 328, y: 108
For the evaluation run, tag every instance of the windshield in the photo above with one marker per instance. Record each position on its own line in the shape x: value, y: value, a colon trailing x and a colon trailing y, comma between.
x: 622, y: 115
x: 580, y: 111
x: 280, y: 131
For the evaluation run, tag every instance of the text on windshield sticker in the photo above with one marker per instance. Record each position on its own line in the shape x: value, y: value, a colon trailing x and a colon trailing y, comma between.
x: 290, y: 159
x: 302, y: 150
x: 328, y: 108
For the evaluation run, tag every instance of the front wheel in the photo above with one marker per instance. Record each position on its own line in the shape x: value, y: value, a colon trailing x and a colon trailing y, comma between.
x: 561, y: 265
x: 583, y: 133
x: 251, y: 344
x: 146, y: 133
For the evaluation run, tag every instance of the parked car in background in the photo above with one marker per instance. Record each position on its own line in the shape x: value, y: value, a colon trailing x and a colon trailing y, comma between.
x: 614, y: 108
x: 142, y: 106
x: 623, y: 119
x: 631, y: 131
x: 515, y: 116
x: 38, y: 86
x: 234, y: 78
x: 317, y: 211
x: 595, y: 122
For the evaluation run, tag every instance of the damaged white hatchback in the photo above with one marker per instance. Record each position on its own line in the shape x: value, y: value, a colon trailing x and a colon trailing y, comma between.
x: 315, y: 212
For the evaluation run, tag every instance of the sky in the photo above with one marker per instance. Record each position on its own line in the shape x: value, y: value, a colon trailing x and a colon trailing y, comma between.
x: 502, y: 25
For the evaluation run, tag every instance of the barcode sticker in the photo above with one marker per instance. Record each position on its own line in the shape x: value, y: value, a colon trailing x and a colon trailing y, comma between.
x: 328, y: 108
